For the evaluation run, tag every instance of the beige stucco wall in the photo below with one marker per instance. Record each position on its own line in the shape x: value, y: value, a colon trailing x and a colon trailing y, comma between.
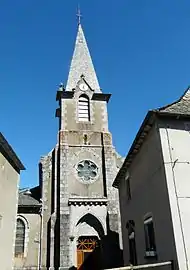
x: 32, y: 237
x: 175, y: 138
x: 9, y: 180
x: 149, y: 196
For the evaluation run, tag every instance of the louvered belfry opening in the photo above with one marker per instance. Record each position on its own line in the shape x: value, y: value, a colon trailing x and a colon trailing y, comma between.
x: 20, y: 238
x: 83, y: 109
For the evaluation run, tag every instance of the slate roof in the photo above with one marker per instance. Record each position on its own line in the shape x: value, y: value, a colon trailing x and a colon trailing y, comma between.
x: 181, y: 107
x: 9, y: 154
x: 82, y: 64
x: 27, y: 200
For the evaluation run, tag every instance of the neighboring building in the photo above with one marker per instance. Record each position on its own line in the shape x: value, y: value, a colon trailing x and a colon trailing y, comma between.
x: 154, y: 188
x: 10, y: 167
x: 27, y: 243
x: 80, y: 208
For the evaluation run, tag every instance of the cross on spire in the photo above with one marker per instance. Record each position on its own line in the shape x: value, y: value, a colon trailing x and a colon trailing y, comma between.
x: 79, y: 15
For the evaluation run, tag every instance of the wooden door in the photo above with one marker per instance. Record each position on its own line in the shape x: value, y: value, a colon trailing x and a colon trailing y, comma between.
x: 80, y: 258
x: 85, y: 246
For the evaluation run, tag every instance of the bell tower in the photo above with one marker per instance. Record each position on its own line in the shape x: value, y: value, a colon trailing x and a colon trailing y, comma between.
x: 85, y: 162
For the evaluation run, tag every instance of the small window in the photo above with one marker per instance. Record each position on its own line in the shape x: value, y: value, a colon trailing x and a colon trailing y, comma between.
x: 83, y: 109
x: 128, y: 188
x: 149, y: 237
x: 20, y: 238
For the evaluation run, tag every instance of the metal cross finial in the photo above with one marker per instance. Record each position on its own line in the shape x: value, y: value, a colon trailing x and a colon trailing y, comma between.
x: 79, y: 15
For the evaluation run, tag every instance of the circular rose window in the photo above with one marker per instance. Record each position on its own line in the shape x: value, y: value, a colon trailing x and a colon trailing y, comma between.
x: 87, y: 170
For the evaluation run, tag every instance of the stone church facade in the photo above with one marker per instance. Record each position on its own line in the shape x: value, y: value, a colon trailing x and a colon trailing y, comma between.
x: 77, y: 221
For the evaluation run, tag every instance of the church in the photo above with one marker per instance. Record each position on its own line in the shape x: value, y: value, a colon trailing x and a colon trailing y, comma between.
x: 72, y: 219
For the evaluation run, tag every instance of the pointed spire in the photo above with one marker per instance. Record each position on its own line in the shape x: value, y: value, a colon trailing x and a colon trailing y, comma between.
x: 81, y: 63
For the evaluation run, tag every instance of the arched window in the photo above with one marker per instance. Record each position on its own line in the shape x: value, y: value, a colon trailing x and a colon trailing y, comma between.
x: 83, y: 109
x: 20, y: 238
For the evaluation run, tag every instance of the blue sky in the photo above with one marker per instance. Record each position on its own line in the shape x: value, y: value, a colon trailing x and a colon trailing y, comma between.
x: 140, y: 49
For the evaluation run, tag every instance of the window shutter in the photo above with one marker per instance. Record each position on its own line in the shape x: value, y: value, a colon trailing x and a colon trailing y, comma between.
x: 83, y: 109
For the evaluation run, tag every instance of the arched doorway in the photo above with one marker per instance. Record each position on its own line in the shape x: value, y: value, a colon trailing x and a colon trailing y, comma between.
x: 89, y: 233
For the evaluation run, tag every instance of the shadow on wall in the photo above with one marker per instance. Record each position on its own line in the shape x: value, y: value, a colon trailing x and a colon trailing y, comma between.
x: 107, y: 255
x: 57, y: 221
x: 48, y: 243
